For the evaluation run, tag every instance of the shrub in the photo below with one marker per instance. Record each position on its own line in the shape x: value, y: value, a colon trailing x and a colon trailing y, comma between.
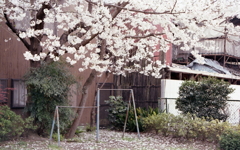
x: 158, y: 123
x: 207, y: 98
x: 186, y: 126
x: 230, y: 140
x: 117, y: 114
x: 55, y: 137
x: 182, y: 126
x: 12, y: 125
x: 141, y: 114
x: 116, y: 111
x: 49, y: 86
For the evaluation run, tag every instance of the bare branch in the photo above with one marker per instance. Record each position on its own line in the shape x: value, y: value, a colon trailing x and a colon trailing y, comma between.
x: 14, y: 30
x: 134, y: 10
x: 85, y: 42
x: 145, y: 36
x: 174, y: 6
x: 114, y: 14
x: 118, y: 10
x: 63, y: 38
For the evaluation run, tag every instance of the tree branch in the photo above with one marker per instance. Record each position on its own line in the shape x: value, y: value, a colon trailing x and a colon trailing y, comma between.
x: 14, y: 30
x: 63, y: 38
x: 145, y: 36
x: 114, y: 14
x: 118, y: 10
x: 134, y: 10
x: 41, y: 15
x: 174, y: 6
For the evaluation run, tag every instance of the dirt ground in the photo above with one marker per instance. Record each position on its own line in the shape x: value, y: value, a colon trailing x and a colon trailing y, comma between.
x: 108, y: 140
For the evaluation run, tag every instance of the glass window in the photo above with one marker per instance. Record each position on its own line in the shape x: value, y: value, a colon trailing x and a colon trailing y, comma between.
x: 19, y: 94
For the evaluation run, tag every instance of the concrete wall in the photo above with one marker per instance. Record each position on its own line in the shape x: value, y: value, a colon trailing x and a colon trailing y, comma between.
x: 169, y: 93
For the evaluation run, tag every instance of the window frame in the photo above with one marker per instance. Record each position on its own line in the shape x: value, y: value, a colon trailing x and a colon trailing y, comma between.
x: 16, y: 103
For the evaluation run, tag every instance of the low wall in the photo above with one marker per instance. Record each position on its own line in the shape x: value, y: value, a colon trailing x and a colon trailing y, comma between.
x: 169, y: 94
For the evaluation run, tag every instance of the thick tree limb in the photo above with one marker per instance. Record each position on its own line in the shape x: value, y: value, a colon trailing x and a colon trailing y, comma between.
x: 41, y: 15
x: 14, y: 30
x: 86, y: 86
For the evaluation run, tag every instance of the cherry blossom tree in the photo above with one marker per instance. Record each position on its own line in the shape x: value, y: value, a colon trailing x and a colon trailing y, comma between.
x: 115, y: 36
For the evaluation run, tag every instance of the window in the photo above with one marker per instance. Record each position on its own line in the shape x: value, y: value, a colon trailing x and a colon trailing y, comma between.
x: 3, y: 89
x: 19, y: 94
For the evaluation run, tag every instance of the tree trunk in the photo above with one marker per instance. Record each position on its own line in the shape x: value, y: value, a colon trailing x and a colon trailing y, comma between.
x: 82, y: 103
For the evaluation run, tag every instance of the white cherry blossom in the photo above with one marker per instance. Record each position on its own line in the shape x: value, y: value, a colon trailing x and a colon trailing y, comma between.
x: 105, y: 39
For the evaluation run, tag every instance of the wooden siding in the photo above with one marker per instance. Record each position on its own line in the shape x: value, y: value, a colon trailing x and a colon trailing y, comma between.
x: 14, y: 66
x: 146, y: 89
x: 12, y: 62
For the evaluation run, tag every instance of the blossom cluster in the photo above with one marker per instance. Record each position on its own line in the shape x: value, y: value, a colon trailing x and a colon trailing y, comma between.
x: 132, y: 30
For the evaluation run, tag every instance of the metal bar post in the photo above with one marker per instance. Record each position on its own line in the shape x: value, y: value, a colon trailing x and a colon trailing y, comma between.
x: 166, y: 105
x: 54, y: 117
x: 134, y: 107
x: 98, y: 111
x: 129, y: 104
x: 58, y: 125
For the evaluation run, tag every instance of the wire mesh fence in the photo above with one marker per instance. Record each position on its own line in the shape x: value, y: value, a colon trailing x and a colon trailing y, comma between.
x: 232, y: 109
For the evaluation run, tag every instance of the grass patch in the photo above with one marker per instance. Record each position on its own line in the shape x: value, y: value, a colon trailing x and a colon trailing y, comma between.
x: 54, y: 147
x: 128, y: 139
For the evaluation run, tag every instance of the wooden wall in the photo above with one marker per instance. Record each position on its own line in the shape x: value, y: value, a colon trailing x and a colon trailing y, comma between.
x: 12, y: 62
x: 146, y: 89
x: 14, y: 66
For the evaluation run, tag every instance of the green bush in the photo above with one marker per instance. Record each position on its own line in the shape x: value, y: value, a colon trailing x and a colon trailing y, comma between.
x: 182, y: 126
x: 230, y: 140
x: 49, y: 86
x: 186, y: 126
x: 116, y: 111
x: 55, y: 137
x: 207, y: 98
x: 142, y: 113
x: 117, y: 114
x: 158, y: 123
x: 12, y: 125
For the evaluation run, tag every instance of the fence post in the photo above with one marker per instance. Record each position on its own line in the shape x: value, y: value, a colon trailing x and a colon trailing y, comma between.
x: 159, y: 104
x: 98, y: 111
x: 55, y: 114
x: 166, y: 105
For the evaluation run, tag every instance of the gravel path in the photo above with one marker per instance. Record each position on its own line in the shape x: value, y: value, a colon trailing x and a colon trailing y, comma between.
x: 109, y: 140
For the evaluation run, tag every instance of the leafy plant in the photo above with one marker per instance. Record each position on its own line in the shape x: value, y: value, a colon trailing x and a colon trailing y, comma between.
x: 49, y: 86
x: 141, y: 114
x: 207, y: 98
x: 116, y: 111
x: 12, y: 125
x: 186, y: 126
x: 230, y: 140
x: 90, y: 128
x: 55, y: 137
x: 158, y: 122
x: 117, y: 114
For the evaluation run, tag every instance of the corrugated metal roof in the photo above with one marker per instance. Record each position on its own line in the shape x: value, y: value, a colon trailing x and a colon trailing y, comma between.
x: 209, y: 66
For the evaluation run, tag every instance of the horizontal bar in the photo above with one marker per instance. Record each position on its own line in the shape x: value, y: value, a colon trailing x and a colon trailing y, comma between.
x: 176, y: 99
x: 78, y: 107
x: 114, y: 89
